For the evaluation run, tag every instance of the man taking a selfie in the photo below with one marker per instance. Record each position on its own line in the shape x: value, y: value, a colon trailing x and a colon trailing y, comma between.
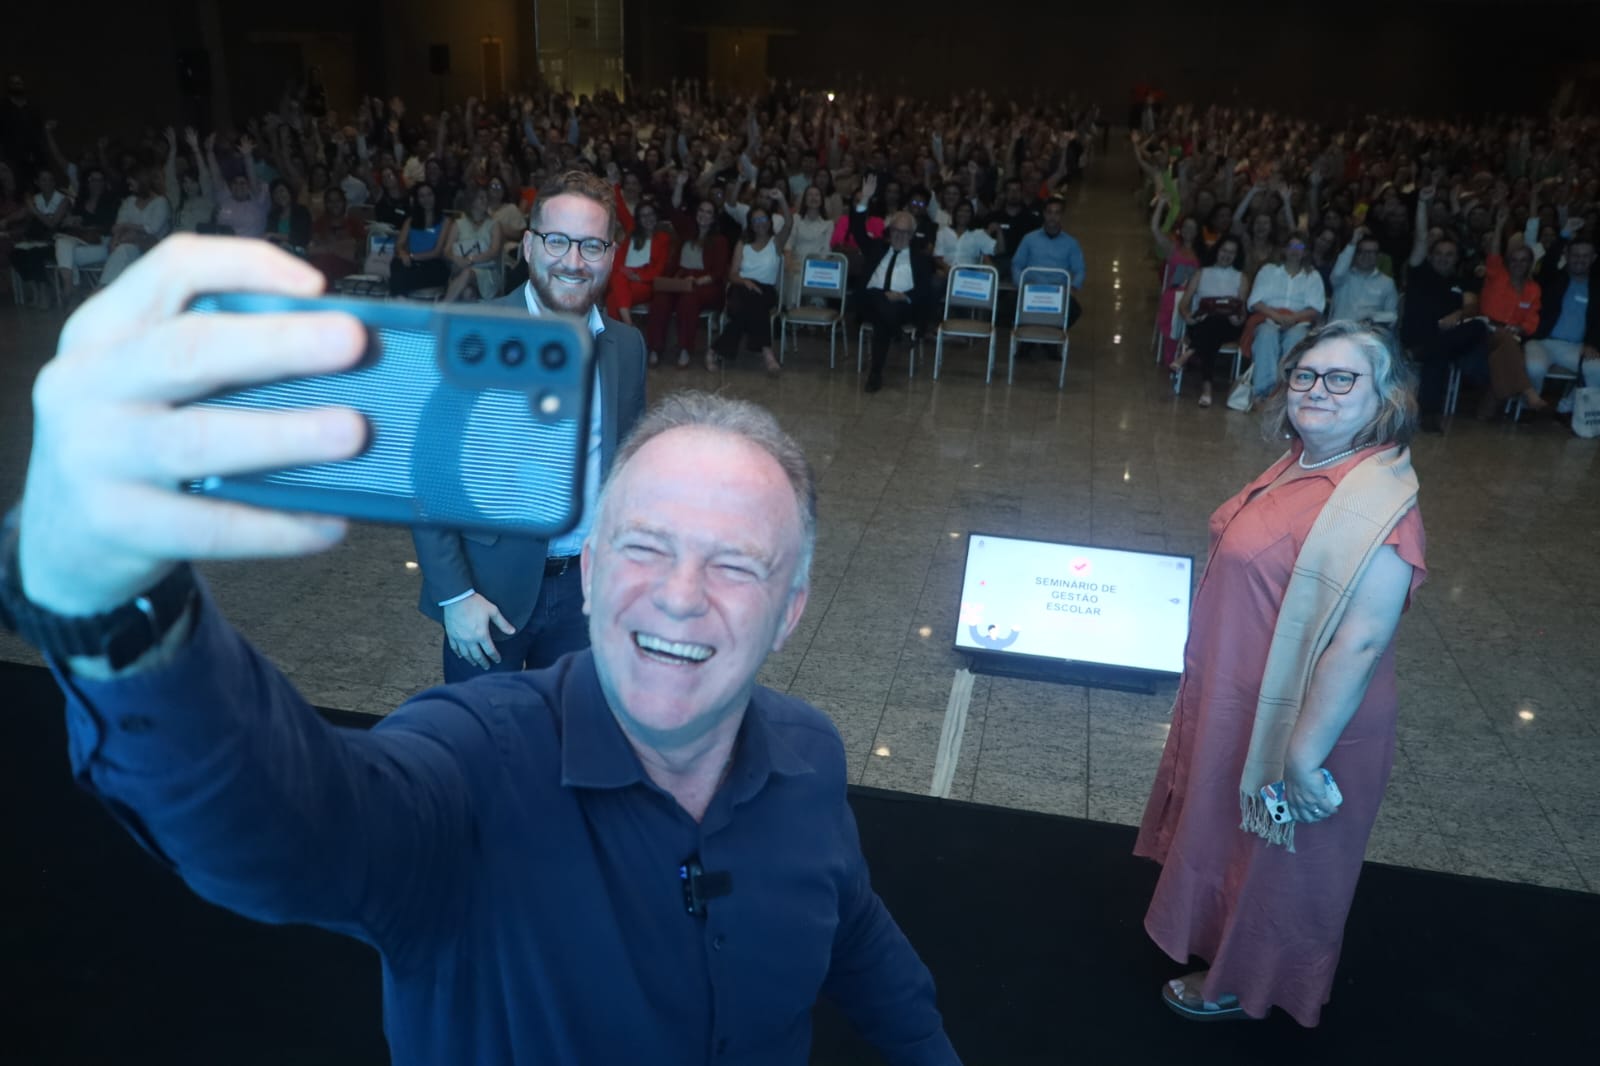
x: 513, y: 603
x: 636, y: 856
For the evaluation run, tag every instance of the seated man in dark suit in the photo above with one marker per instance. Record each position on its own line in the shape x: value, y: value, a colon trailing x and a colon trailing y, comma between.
x: 900, y: 286
x: 513, y: 603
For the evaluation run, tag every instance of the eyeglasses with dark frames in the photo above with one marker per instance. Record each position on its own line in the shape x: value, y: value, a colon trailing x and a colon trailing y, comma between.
x: 592, y: 249
x: 1338, y: 382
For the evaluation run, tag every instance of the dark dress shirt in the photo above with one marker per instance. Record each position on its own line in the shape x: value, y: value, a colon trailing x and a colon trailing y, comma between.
x: 501, y: 847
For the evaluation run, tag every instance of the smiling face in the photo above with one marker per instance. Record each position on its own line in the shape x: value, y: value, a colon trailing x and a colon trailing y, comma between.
x: 1326, y: 422
x: 1442, y: 257
x: 1366, y: 257
x: 689, y: 582
x: 1294, y: 254
x: 1580, y: 258
x: 1519, y: 263
x: 568, y: 282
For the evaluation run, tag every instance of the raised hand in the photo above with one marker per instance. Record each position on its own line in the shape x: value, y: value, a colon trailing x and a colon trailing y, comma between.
x: 102, y: 515
x: 247, y: 144
x: 191, y: 138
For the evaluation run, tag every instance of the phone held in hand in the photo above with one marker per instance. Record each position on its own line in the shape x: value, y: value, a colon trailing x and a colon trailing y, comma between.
x: 478, y: 418
x: 1278, y: 808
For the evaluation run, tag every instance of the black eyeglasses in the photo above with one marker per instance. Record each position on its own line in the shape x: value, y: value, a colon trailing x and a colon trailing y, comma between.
x: 1337, y: 382
x: 903, y: 231
x: 556, y: 244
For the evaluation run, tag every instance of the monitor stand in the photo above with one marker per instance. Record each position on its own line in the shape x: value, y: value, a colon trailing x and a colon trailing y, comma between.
x: 1115, y: 678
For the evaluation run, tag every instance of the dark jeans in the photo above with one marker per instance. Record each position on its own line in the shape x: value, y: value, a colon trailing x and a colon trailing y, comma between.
x: 558, y: 626
x: 749, y: 317
x: 420, y: 274
x: 1466, y: 346
x: 1207, y: 337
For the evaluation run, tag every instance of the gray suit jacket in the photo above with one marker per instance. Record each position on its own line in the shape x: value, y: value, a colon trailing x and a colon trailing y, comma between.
x: 509, y: 570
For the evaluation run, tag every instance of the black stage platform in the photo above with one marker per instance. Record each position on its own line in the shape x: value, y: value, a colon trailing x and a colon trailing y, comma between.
x: 1030, y: 923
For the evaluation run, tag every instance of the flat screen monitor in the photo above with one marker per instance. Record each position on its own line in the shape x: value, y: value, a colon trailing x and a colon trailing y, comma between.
x: 1047, y: 604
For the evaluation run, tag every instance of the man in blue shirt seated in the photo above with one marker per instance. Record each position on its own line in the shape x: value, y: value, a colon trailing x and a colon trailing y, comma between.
x: 1051, y: 246
x: 637, y: 855
x: 1569, y: 321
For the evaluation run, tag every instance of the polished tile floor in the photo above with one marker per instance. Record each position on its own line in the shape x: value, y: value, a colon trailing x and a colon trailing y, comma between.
x: 1498, y: 772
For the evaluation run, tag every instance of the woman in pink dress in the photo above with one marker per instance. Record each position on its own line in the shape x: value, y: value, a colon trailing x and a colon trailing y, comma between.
x: 1180, y: 258
x: 1289, y: 670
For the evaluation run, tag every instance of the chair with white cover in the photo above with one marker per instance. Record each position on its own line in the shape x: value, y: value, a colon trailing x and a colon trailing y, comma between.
x: 1044, y: 302
x: 974, y: 288
x: 822, y: 277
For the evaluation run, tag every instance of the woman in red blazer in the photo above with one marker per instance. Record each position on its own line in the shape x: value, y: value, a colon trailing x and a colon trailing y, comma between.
x: 639, y: 261
x: 699, y: 273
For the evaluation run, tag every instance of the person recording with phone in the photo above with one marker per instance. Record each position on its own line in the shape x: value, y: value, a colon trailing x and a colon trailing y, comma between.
x: 513, y: 603
x: 639, y: 855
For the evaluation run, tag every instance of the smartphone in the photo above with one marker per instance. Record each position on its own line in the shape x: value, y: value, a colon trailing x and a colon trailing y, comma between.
x: 1278, y: 808
x: 478, y: 418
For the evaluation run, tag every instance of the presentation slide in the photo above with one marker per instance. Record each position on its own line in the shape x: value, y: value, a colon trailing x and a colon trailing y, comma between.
x: 1076, y: 604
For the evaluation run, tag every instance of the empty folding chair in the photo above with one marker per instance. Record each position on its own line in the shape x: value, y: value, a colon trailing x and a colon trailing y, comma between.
x: 821, y: 277
x: 970, y: 288
x: 1044, y: 300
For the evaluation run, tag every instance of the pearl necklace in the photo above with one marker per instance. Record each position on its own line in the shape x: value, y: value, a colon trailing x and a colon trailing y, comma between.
x: 1330, y: 459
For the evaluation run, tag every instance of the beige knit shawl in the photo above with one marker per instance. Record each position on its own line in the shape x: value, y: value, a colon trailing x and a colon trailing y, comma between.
x: 1364, y: 509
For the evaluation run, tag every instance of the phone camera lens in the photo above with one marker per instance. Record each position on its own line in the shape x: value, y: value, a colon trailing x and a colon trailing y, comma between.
x: 553, y: 356
x: 512, y: 353
x: 473, y: 349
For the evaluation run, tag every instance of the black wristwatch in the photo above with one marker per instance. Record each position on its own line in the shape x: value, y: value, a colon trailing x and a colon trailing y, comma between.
x: 121, y: 635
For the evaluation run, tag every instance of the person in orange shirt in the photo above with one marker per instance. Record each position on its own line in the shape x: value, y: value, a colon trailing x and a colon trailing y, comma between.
x: 1510, y: 301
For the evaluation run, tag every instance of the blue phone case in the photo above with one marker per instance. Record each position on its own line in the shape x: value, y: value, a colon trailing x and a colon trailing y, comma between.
x: 479, y: 418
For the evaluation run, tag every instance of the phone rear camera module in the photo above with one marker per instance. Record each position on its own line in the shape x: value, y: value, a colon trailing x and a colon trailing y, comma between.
x: 512, y: 353
x: 473, y: 349
x: 553, y: 356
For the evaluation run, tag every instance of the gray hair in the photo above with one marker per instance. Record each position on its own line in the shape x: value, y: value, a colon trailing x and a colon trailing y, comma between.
x: 692, y: 408
x: 1392, y: 378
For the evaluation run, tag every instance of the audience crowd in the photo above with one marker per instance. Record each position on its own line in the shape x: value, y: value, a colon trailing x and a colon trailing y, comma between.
x: 720, y: 196
x: 1471, y: 244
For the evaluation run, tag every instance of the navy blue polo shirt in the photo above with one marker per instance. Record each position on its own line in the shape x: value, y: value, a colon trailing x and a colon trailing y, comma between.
x: 500, y: 845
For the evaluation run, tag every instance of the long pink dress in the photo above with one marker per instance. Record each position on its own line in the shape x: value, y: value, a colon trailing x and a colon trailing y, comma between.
x: 1269, y: 922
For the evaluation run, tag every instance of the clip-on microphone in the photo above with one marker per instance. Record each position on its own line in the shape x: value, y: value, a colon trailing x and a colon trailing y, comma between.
x: 700, y: 886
